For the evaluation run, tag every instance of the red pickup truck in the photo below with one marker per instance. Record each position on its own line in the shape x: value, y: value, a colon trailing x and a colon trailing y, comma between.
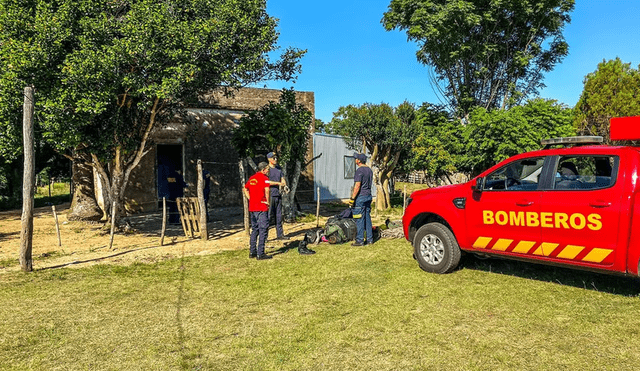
x: 573, y: 206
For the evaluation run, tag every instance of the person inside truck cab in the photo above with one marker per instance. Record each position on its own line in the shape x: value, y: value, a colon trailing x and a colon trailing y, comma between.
x: 603, y: 172
x: 603, y: 167
x: 568, y: 174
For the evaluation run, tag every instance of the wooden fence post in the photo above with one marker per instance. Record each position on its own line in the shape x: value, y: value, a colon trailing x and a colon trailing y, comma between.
x: 55, y: 217
x: 318, y: 209
x: 164, y: 219
x: 404, y: 199
x: 26, y: 236
x: 204, y: 234
x: 245, y: 202
x: 113, y: 224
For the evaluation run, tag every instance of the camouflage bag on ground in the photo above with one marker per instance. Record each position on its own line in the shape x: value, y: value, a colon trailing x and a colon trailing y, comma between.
x: 340, y: 230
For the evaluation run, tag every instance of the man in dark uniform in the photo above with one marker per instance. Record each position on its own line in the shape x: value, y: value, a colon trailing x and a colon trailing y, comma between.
x: 276, y: 180
x: 361, y: 200
x: 206, y: 175
x: 256, y: 190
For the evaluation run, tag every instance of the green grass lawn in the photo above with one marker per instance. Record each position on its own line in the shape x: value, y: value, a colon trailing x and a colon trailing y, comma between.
x: 343, y: 308
x: 59, y: 194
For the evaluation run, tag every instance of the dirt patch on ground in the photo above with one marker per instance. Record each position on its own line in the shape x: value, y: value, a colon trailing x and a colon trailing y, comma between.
x: 84, y: 244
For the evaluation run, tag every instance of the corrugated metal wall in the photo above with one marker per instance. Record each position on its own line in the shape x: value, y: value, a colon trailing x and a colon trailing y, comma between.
x: 329, y: 169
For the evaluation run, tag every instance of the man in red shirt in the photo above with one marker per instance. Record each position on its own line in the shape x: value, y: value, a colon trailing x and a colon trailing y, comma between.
x: 256, y: 190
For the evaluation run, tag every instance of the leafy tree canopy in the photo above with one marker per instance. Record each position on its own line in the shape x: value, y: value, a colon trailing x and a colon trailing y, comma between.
x: 382, y: 130
x: 488, y: 53
x: 438, y: 146
x: 613, y: 90
x: 110, y: 68
x: 283, y: 127
x: 108, y: 73
x: 321, y: 127
x: 493, y: 136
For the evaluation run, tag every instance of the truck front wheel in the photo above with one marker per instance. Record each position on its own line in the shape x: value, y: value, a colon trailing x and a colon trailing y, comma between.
x: 436, y: 249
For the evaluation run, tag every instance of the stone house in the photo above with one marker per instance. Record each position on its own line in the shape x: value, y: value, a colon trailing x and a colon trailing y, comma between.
x: 205, y: 135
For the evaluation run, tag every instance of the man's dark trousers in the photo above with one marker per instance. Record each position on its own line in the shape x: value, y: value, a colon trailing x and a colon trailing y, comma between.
x: 363, y: 223
x: 276, y: 209
x: 206, y: 201
x: 259, y: 228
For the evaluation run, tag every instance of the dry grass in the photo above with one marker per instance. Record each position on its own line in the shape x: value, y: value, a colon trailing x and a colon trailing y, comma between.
x: 343, y: 308
x: 197, y: 305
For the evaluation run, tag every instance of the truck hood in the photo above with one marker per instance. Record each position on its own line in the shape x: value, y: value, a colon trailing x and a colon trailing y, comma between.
x: 452, y: 189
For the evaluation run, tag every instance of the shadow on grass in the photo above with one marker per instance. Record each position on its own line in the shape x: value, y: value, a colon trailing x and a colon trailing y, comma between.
x: 612, y: 284
x: 104, y: 257
x: 220, y: 233
x: 189, y: 357
x: 287, y: 246
x: 9, y: 236
x: 150, y: 225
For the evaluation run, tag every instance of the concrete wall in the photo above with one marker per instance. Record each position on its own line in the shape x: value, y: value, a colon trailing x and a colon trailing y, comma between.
x: 206, y: 135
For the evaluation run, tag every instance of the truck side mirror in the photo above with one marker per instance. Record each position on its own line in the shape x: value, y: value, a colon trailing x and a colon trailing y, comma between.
x: 478, y: 186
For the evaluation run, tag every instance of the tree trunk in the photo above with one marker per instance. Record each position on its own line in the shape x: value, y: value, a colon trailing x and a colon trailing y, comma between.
x: 253, y: 165
x: 26, y: 235
x: 382, y: 194
x: 387, y: 192
x: 83, y: 204
x: 288, y: 200
x: 116, y: 196
x: 113, y: 186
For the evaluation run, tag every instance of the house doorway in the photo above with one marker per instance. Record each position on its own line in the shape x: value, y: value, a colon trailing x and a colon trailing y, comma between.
x: 169, y: 161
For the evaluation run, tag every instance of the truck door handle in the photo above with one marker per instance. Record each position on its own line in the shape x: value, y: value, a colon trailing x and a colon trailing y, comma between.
x: 524, y: 203
x: 599, y: 204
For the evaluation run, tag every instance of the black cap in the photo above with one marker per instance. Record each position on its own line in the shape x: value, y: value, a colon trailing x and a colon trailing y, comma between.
x: 361, y: 157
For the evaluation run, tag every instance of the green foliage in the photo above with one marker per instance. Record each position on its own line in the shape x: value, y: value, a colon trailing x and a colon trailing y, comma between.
x: 492, y: 136
x: 138, y: 62
x: 282, y: 127
x: 379, y: 128
x: 384, y: 131
x: 108, y: 73
x: 322, y: 127
x: 488, y: 53
x: 438, y: 147
x: 613, y: 90
x: 431, y: 141
x: 342, y: 309
x: 105, y: 70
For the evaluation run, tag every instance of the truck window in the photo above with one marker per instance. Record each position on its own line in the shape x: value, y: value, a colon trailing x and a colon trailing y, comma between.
x: 520, y: 175
x: 585, y: 172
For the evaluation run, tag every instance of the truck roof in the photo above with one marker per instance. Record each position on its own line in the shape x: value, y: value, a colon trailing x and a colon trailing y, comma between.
x: 581, y: 150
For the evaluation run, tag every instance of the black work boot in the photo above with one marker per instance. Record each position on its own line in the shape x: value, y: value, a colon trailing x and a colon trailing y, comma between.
x: 303, y: 250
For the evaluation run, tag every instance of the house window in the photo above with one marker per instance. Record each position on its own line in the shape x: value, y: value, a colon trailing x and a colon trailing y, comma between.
x: 349, y: 167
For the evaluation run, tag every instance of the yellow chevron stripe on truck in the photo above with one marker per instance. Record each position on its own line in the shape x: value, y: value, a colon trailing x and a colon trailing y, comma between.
x: 569, y: 252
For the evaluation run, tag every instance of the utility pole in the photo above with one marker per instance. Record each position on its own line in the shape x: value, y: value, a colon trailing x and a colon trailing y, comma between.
x: 26, y: 236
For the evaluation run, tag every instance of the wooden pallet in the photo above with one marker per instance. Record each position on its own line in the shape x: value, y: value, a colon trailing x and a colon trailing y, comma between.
x: 189, y: 209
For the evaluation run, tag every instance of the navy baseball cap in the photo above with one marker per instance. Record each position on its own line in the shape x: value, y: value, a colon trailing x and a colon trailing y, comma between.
x: 361, y: 157
x: 271, y: 155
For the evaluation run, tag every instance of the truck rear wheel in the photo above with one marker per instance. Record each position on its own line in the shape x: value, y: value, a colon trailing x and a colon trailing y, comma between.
x: 436, y: 249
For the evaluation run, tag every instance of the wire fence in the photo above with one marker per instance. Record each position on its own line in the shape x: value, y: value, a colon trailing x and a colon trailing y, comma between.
x: 162, y: 214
